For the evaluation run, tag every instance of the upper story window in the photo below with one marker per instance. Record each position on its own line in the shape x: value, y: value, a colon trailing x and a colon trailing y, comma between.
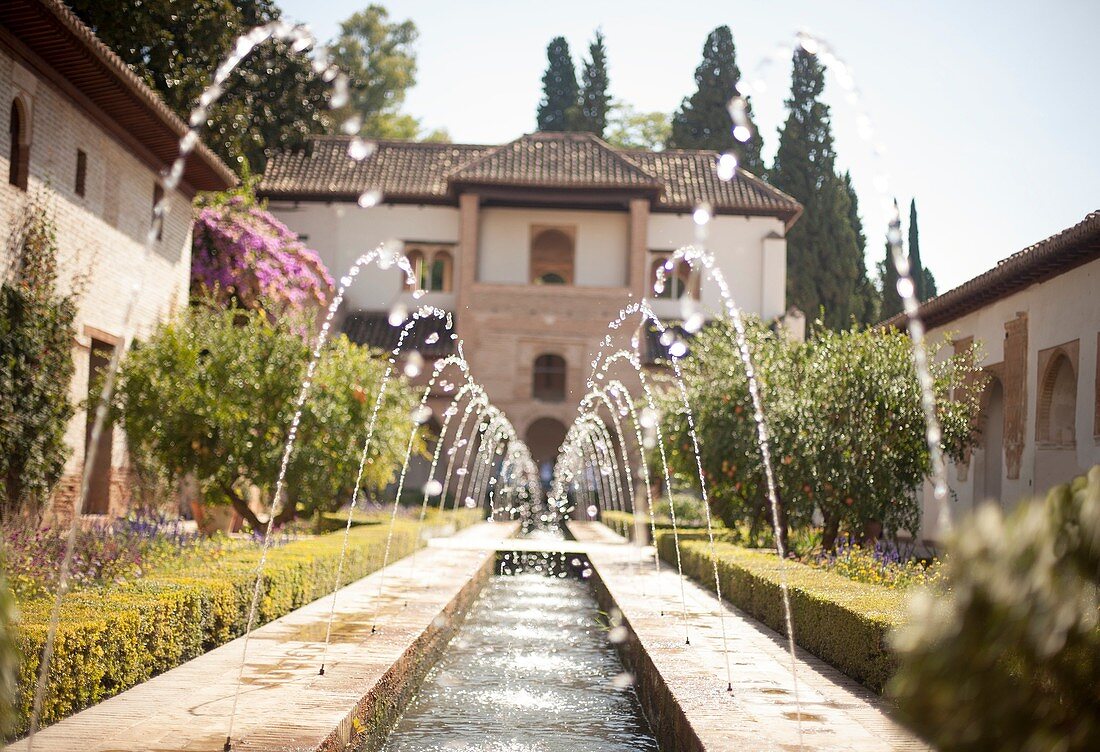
x: 552, y: 255
x: 1056, y: 421
x: 677, y: 281
x: 20, y: 149
x: 549, y: 378
x: 433, y: 267
x: 81, y: 172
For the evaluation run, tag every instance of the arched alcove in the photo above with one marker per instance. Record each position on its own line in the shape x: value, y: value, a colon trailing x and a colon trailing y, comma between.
x: 552, y: 254
x: 1056, y: 418
x: 20, y: 147
x: 544, y: 439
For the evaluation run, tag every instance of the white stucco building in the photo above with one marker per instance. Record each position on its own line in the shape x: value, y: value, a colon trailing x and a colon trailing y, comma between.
x: 534, y: 246
x: 1036, y: 317
x: 87, y: 139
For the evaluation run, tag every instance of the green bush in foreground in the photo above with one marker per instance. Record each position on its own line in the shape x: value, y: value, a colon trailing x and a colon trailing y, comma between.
x: 845, y: 623
x: 112, y: 638
x: 1009, y: 659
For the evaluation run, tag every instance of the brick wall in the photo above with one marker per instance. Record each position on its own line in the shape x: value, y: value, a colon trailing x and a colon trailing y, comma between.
x: 100, y: 238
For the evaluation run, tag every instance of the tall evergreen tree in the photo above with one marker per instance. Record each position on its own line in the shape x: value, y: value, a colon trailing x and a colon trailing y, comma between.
x: 703, y: 120
x: 595, y: 101
x: 929, y: 290
x: 558, y: 110
x: 916, y: 268
x: 867, y: 299
x: 888, y: 273
x: 823, y: 255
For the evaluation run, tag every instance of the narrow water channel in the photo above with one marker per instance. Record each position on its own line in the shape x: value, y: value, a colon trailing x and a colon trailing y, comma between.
x: 531, y: 670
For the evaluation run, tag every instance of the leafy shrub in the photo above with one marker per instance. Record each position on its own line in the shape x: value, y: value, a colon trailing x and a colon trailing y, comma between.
x: 36, y: 368
x: 1010, y: 658
x: 111, y: 638
x: 232, y: 378
x: 843, y: 622
x: 9, y: 657
x: 847, y: 431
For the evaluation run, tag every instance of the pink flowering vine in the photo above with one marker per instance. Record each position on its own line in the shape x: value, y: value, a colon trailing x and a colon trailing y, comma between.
x: 243, y: 254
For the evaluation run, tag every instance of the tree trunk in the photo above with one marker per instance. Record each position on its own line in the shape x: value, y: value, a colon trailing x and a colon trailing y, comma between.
x: 240, y: 506
x: 830, y: 531
x: 784, y: 528
x: 287, y: 514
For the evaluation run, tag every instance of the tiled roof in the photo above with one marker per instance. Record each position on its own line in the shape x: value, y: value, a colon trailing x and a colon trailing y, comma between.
x: 374, y: 329
x: 432, y: 172
x: 48, y: 30
x: 690, y: 179
x: 1037, y: 263
x: 400, y: 169
x: 555, y: 160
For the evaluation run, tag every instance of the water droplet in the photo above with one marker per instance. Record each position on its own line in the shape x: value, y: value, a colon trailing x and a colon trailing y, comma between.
x: 694, y: 322
x: 678, y: 349
x: 905, y: 287
x: 742, y: 133
x: 358, y: 149
x: 618, y: 634
x: 422, y: 414
x: 470, y: 503
x: 623, y: 680
x: 398, y: 314
x: 648, y: 418
x: 432, y: 338
x: 592, y: 511
x: 433, y: 488
x: 369, y: 198
x: 352, y: 125
x: 460, y: 471
x: 727, y: 166
x: 414, y: 364
x: 702, y: 214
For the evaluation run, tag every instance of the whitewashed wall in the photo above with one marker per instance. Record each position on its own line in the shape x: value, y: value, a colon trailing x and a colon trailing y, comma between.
x: 751, y: 251
x: 1060, y: 310
x: 341, y: 231
x: 601, y: 245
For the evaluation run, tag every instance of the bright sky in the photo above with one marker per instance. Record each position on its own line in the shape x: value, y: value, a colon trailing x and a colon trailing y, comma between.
x: 986, y: 108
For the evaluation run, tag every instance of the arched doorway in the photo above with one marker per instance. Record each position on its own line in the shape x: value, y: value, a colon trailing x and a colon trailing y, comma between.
x: 544, y: 439
x: 989, y: 457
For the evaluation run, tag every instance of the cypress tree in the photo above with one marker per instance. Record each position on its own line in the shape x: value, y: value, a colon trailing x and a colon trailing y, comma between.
x: 929, y: 282
x: 595, y: 101
x: 867, y: 300
x: 558, y: 108
x: 703, y: 120
x: 823, y: 256
x: 916, y: 268
x: 888, y: 273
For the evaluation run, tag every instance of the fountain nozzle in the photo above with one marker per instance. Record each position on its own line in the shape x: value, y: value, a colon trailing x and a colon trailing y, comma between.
x: 322, y: 671
x: 228, y: 744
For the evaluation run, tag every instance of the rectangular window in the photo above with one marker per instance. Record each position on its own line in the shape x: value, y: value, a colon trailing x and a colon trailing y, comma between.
x: 158, y: 221
x: 81, y: 171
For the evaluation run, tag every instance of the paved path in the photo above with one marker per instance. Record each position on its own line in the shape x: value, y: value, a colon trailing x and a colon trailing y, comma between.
x: 760, y: 713
x: 284, y: 704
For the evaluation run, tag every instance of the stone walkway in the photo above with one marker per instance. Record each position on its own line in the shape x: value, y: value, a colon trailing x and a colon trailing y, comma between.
x: 760, y: 713
x: 284, y: 704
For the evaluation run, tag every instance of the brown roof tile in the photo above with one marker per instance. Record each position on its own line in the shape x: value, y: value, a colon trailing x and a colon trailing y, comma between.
x: 1037, y: 263
x: 555, y: 160
x: 50, y: 36
x: 431, y: 172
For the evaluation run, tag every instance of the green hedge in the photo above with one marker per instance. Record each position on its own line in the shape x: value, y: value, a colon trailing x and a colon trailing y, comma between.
x: 839, y: 620
x: 623, y: 524
x: 112, y: 638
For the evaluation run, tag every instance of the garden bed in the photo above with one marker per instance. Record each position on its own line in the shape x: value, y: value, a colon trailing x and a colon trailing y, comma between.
x: 111, y: 638
x: 837, y: 619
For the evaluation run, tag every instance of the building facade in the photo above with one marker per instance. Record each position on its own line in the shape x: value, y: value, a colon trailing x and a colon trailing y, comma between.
x: 534, y: 246
x: 86, y: 139
x: 1036, y: 318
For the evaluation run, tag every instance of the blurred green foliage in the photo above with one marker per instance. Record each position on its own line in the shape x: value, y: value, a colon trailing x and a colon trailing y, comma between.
x: 846, y: 429
x: 1009, y: 659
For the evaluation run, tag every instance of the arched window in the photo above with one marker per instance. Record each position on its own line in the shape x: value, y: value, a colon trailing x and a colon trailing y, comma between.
x: 549, y: 378
x: 551, y: 256
x: 440, y: 278
x: 677, y: 281
x: 20, y: 150
x: 158, y: 221
x: 1056, y: 422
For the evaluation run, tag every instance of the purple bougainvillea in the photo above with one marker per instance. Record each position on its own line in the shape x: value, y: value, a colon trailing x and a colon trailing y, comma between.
x: 244, y: 254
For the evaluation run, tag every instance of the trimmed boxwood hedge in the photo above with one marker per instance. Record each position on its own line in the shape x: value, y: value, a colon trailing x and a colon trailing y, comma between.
x: 623, y: 524
x: 111, y: 638
x: 841, y: 621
